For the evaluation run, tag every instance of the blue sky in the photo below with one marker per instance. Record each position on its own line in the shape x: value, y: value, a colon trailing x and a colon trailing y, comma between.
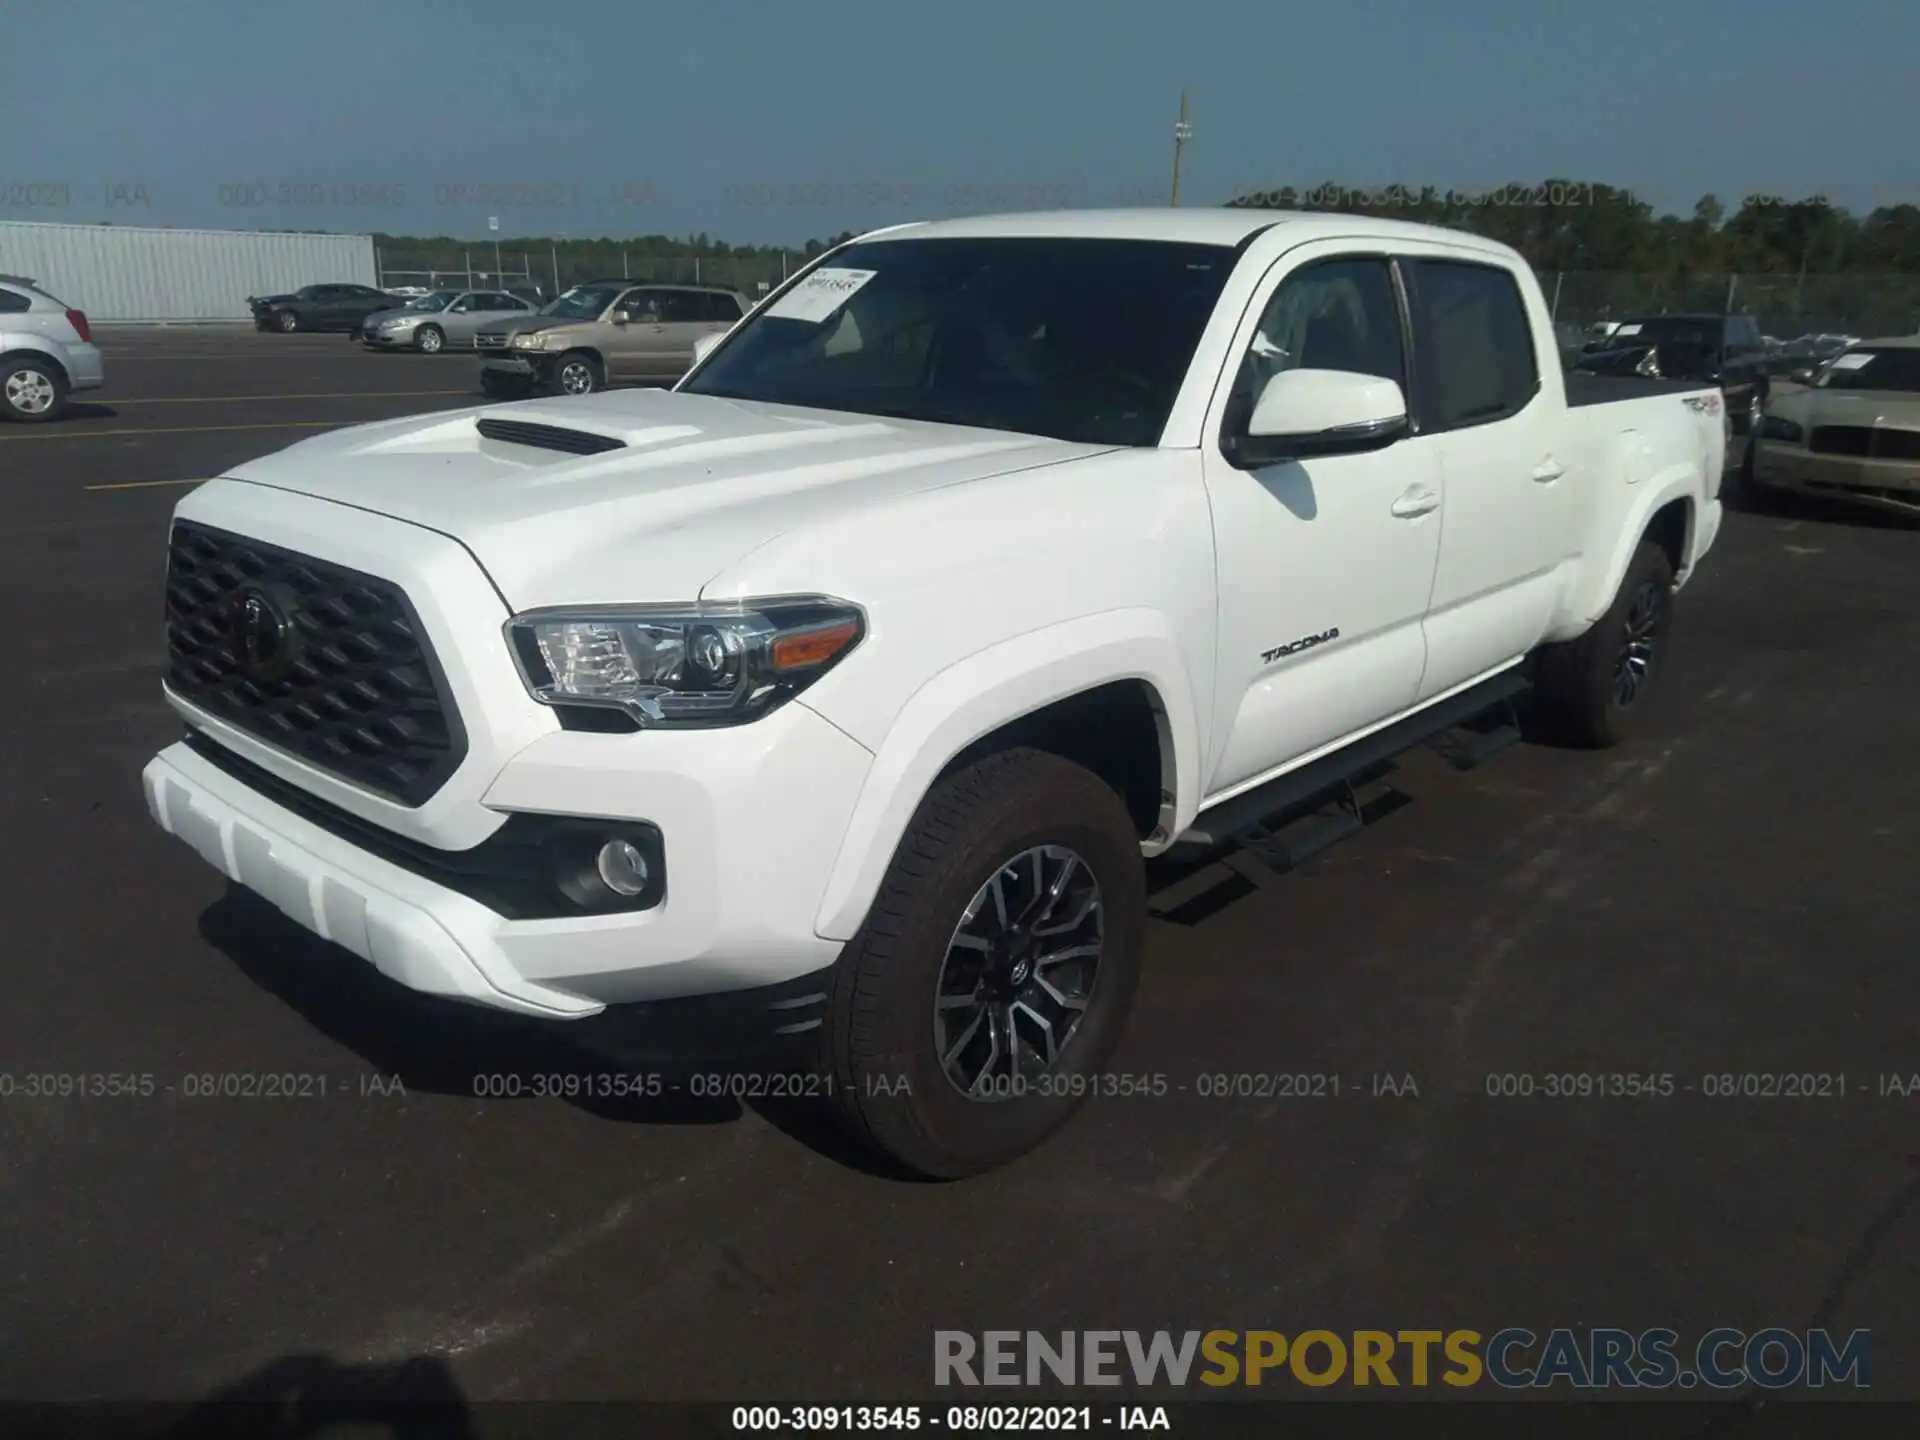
x: 762, y: 121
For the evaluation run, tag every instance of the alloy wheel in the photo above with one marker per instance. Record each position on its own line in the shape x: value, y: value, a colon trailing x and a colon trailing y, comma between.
x: 576, y: 379
x: 1639, y: 641
x: 1019, y: 973
x: 29, y: 392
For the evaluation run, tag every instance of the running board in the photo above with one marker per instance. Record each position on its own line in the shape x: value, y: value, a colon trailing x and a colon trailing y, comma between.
x: 1232, y: 818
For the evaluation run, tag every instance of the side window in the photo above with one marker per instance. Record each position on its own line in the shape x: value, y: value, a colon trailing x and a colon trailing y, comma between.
x: 1743, y: 334
x: 12, y: 302
x: 1475, y: 344
x: 1332, y: 315
x: 679, y: 307
x: 642, y: 305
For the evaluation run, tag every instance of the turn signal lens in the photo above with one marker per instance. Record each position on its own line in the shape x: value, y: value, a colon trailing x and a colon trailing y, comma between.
x: 798, y: 652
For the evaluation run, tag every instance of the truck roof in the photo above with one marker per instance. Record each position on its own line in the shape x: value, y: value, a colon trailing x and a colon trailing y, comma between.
x: 1222, y: 225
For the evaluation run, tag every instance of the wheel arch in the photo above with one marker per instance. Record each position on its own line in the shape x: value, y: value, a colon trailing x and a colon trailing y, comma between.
x: 1097, y: 690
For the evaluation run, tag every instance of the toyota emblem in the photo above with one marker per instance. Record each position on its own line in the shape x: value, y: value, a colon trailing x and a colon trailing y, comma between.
x: 262, y: 635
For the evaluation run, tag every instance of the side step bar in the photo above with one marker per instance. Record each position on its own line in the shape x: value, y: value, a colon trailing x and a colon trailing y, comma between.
x: 1230, y: 818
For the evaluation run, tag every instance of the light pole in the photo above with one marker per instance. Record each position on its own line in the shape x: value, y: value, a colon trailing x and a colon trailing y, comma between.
x: 1182, y: 132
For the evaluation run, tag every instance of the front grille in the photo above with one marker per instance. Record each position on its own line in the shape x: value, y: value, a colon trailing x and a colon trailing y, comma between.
x: 548, y: 437
x: 337, y: 670
x: 489, y: 342
x: 1866, y: 442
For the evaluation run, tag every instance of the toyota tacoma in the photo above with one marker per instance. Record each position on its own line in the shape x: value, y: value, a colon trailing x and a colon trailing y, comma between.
x: 824, y: 707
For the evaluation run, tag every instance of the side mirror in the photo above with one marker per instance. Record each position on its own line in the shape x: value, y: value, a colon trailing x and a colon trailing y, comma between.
x: 1302, y: 414
x: 623, y: 317
x: 706, y: 345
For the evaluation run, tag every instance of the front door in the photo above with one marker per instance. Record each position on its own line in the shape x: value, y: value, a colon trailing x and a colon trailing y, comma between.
x: 1324, y: 564
x: 634, y: 350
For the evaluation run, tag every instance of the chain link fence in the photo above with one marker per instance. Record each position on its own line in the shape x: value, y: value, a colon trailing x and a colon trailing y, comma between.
x: 1787, y: 306
x: 555, y: 266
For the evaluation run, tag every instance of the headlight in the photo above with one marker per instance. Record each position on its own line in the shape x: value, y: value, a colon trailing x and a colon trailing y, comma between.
x: 394, y: 324
x: 687, y: 666
x: 528, y: 342
x: 1772, y: 427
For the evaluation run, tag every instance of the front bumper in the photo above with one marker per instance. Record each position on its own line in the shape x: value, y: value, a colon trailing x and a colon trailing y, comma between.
x: 752, y: 821
x: 1891, y: 484
x: 86, y: 370
x: 387, y: 339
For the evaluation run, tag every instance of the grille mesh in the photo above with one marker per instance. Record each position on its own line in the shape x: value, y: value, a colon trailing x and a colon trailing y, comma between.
x: 351, y: 687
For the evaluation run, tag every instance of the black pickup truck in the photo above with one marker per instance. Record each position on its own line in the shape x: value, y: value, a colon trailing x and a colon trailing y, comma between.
x: 1725, y: 350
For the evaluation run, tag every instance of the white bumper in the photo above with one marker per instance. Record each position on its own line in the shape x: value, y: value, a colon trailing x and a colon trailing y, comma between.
x: 751, y: 818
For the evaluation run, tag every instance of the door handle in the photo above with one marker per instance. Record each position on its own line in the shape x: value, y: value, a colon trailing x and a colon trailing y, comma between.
x: 1548, y: 470
x: 1416, y: 502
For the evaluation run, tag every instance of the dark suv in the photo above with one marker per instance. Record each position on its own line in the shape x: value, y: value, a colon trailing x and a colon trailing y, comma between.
x: 1726, y: 350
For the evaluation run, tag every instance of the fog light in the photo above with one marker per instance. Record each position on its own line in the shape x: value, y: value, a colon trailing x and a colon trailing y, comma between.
x: 622, y: 868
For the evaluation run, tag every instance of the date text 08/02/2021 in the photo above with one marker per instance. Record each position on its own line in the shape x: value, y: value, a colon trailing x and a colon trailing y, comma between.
x: 952, y: 1419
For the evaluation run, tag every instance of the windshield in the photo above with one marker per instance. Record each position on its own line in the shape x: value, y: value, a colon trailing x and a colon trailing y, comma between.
x: 1893, y: 369
x: 435, y: 300
x: 584, y: 302
x: 1076, y: 339
x: 1670, y: 330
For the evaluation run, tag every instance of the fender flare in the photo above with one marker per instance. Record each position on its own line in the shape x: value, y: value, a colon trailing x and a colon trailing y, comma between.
x: 15, y: 352
x: 977, y: 696
x: 1676, y: 482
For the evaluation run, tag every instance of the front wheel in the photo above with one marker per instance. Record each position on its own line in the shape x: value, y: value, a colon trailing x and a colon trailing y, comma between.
x: 1594, y: 688
x: 989, y: 986
x: 429, y: 340
x: 286, y: 322
x: 578, y: 374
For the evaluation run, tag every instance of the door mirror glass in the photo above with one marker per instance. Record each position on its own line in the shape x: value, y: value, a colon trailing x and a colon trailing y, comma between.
x: 1305, y: 413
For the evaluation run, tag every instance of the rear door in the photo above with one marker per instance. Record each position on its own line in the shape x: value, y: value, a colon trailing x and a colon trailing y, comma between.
x: 686, y: 316
x: 1485, y: 390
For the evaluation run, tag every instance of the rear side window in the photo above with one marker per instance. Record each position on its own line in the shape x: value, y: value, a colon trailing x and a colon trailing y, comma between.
x: 723, y: 307
x: 1474, y: 344
x: 680, y: 306
x: 12, y: 302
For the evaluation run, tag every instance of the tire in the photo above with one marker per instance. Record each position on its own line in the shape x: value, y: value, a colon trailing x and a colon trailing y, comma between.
x: 981, y: 826
x: 429, y: 340
x: 32, y: 390
x: 578, y: 373
x: 1594, y: 689
x: 285, y: 321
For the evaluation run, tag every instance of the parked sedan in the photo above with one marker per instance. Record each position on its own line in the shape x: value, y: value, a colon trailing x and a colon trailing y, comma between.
x: 441, y: 318
x: 1854, y: 434
x: 318, y: 307
x: 46, y: 352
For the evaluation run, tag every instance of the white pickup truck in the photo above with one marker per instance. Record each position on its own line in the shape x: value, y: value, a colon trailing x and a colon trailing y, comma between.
x: 820, y: 710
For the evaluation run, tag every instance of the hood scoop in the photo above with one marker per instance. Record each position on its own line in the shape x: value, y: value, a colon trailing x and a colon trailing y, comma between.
x: 547, y: 437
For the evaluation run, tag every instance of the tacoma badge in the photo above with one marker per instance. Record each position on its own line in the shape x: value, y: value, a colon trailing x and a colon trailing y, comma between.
x: 1306, y: 642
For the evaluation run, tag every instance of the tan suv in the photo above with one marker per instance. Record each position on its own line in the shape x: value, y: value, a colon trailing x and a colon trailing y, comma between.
x: 603, y: 333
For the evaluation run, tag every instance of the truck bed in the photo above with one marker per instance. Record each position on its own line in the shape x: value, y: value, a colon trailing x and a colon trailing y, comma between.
x: 1584, y: 389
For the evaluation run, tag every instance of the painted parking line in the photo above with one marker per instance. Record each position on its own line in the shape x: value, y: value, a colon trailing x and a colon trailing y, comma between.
x: 142, y: 484
x: 188, y: 430
x: 262, y: 399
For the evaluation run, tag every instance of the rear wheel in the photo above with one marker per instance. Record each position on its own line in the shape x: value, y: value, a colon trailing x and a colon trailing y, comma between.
x: 988, y: 988
x: 31, y: 390
x: 1594, y: 688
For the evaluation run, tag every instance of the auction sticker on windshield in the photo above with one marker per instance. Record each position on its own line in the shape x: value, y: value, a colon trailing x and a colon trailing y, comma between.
x: 815, y: 298
x: 1628, y: 330
x: 1858, y: 360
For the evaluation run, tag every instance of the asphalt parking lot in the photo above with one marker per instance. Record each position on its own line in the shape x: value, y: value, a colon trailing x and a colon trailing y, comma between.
x: 1732, y: 895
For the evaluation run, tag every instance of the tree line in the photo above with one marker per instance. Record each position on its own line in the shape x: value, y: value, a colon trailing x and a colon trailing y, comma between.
x: 1566, y: 225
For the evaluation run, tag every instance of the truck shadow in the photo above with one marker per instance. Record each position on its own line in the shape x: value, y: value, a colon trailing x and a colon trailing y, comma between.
x: 439, y: 1047
x: 312, y: 1395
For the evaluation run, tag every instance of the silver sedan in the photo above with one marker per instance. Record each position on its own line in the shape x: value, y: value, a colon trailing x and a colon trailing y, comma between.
x: 440, y: 319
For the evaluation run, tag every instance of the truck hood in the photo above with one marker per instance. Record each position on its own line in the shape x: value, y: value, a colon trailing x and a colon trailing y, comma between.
x: 698, y: 483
